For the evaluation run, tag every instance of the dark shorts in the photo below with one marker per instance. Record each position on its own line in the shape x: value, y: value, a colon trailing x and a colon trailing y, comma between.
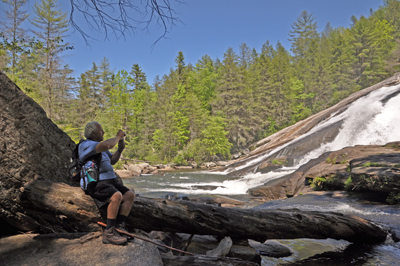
x: 104, y: 189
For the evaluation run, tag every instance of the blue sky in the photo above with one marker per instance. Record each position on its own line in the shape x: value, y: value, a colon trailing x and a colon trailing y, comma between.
x: 209, y: 27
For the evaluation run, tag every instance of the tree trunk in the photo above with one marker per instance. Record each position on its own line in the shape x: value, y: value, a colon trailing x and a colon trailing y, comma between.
x: 61, y: 207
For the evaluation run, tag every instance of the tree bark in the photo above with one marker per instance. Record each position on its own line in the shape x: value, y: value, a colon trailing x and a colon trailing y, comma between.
x: 69, y: 209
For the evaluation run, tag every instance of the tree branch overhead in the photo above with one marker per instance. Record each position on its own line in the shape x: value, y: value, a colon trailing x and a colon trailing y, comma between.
x: 121, y: 17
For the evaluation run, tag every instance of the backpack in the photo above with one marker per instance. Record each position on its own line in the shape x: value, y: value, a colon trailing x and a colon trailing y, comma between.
x: 77, y: 172
x: 74, y: 167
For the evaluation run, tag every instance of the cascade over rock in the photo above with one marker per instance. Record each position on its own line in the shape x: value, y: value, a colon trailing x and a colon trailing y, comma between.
x: 264, y: 148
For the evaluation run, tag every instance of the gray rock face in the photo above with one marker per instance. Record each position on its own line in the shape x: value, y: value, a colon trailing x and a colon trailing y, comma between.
x: 379, y: 172
x: 30, y: 145
x: 43, y: 250
x: 372, y: 167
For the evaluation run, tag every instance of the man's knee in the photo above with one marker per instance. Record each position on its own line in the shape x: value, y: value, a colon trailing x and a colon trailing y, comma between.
x: 116, y: 197
x: 129, y: 195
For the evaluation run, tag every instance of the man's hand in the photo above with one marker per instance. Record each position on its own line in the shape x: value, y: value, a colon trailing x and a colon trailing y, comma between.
x: 121, y: 145
x: 121, y: 134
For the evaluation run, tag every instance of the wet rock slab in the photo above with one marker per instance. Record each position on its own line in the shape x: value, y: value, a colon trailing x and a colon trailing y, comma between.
x: 32, y: 249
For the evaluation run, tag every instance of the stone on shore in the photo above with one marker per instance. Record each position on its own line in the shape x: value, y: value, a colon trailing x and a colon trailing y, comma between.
x: 135, y: 170
x: 271, y: 248
x: 123, y: 173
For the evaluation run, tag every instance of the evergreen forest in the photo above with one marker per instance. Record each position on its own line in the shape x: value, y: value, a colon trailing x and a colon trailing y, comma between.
x: 205, y: 108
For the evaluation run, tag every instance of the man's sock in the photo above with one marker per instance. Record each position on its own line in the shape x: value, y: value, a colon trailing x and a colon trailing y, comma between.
x: 110, y: 223
x: 121, y: 218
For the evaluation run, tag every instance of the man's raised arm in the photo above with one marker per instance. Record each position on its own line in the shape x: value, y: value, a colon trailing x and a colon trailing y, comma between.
x: 109, y: 143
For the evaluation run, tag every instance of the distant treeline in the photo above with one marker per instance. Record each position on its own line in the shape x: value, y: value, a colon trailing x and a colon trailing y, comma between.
x: 215, y: 107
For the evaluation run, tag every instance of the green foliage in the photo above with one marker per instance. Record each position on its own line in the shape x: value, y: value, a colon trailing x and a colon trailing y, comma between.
x: 372, y: 164
x: 348, y: 185
x: 180, y: 160
x: 328, y: 183
x: 119, y: 165
x: 279, y: 162
x: 196, y: 151
x: 393, y: 198
x: 298, y: 98
x: 331, y: 160
x: 214, y: 137
x: 213, y: 107
x: 318, y: 183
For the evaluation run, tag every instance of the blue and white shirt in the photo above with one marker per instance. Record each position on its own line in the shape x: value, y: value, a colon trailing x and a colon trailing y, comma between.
x: 86, y: 149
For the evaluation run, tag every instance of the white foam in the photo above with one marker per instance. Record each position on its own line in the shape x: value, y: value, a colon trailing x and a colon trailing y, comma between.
x: 345, y: 209
x: 367, y: 121
x: 227, y: 187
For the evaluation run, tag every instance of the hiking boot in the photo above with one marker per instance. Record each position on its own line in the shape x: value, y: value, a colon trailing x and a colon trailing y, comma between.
x: 122, y: 227
x: 111, y: 236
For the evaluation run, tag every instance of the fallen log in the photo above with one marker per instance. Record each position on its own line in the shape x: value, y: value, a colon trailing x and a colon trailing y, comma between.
x: 260, y: 225
x: 68, y: 208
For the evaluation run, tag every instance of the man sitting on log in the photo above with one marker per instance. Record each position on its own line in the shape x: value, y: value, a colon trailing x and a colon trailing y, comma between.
x: 107, y: 190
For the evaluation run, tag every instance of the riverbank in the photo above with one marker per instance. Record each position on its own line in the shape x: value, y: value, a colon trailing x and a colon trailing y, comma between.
x: 87, y: 249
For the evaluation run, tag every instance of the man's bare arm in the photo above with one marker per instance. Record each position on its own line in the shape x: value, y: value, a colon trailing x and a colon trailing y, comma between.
x: 109, y: 143
x: 115, y: 157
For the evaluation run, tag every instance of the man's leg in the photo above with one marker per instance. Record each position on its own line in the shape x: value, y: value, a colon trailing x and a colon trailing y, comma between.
x: 127, y: 202
x: 125, y: 208
x: 110, y: 235
x: 112, y: 209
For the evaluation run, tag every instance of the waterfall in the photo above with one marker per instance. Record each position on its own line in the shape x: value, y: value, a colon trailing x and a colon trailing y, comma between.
x: 371, y: 120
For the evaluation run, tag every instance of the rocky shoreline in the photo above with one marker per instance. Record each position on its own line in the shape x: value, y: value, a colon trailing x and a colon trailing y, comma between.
x: 363, y: 168
x: 131, y: 170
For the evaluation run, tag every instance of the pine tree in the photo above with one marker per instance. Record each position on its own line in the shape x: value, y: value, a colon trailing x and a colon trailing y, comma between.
x: 342, y: 57
x: 281, y: 73
x: 304, y: 30
x: 52, y: 26
x: 202, y: 81
x: 372, y: 41
x: 228, y: 96
x: 180, y: 66
x: 139, y: 78
x: 390, y: 11
x: 245, y: 56
x: 106, y: 78
x: 305, y: 41
x: 215, y: 137
x: 118, y: 111
x: 19, y: 59
x: 262, y: 69
x: 14, y: 32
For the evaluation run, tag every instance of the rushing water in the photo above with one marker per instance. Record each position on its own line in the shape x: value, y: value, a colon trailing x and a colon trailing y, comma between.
x: 307, y: 251
x: 372, y: 119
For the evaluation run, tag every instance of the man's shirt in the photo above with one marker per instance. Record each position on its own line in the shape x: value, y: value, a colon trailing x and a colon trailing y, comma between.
x: 87, y: 149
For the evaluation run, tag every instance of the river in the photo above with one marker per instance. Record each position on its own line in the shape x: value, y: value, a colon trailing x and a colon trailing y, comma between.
x: 372, y: 119
x: 331, y: 252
